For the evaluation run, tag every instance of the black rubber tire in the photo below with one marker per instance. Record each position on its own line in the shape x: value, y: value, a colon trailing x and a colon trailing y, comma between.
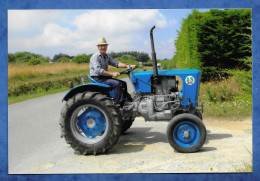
x: 113, y: 120
x: 128, y: 122
x: 198, y: 114
x: 190, y: 118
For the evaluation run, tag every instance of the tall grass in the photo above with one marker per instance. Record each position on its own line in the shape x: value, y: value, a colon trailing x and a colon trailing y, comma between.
x: 25, y: 80
x: 226, y: 99
x: 23, y: 70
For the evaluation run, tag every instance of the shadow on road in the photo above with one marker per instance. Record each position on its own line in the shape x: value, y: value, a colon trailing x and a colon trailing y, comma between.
x: 217, y: 136
x: 206, y: 149
x: 135, y: 139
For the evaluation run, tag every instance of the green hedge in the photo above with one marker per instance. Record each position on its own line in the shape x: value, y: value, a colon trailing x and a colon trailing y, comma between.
x: 32, y: 87
x: 214, y: 41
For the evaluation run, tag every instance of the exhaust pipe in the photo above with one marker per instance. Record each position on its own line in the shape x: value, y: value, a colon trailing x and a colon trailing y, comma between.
x: 155, y: 69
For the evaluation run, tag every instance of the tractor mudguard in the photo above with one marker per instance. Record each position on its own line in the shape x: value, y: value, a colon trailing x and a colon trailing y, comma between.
x: 92, y: 87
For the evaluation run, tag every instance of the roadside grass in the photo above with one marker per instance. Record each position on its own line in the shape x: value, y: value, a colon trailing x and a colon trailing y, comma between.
x: 28, y: 81
x: 248, y: 167
x: 39, y: 93
x: 225, y: 99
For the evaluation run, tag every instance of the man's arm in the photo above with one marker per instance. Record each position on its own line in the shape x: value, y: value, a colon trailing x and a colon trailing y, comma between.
x: 116, y: 74
x: 113, y: 74
x: 122, y: 65
x: 115, y: 63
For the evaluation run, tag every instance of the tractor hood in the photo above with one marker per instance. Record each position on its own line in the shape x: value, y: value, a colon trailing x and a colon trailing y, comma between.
x: 190, y: 82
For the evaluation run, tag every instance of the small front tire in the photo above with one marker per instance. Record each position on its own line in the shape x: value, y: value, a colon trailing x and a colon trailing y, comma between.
x: 198, y: 114
x: 186, y: 133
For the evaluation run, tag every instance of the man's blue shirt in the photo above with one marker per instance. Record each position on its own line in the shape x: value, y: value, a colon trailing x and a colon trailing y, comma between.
x: 99, y: 63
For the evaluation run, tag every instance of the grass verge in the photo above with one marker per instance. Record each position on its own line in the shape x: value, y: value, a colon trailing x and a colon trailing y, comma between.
x: 39, y: 93
x: 28, y: 82
x: 226, y: 99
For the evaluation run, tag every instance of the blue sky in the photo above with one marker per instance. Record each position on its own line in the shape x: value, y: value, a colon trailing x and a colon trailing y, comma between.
x: 74, y: 32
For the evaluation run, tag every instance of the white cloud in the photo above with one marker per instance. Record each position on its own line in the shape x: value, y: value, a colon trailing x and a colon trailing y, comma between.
x: 114, y: 22
x: 30, y: 19
x: 123, y: 29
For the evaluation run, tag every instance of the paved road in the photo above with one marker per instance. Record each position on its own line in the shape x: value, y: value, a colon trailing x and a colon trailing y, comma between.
x: 35, y: 146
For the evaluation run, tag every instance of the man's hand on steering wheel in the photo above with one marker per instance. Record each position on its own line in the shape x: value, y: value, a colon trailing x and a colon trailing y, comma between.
x: 127, y: 71
x: 132, y: 66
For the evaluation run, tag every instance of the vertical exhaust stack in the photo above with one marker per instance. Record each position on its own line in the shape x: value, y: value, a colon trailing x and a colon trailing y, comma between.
x: 155, y: 69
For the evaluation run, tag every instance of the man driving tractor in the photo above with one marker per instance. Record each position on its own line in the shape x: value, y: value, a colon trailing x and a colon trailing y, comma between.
x: 99, y: 71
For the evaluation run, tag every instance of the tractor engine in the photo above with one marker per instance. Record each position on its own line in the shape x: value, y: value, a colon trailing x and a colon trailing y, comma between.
x: 162, y: 104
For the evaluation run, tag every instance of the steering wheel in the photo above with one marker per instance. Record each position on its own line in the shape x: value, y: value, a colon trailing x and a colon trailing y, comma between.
x: 127, y: 71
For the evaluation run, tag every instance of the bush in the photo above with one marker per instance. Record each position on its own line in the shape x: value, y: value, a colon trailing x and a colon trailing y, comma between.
x: 148, y: 64
x: 81, y: 58
x: 25, y: 57
x: 228, y: 98
x: 34, y: 61
x: 221, y: 91
x: 11, y: 58
x: 127, y: 59
x: 33, y: 87
x: 139, y: 56
x: 64, y: 59
x: 60, y: 55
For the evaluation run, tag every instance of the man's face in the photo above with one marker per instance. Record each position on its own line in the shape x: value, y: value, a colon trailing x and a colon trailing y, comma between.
x: 102, y: 49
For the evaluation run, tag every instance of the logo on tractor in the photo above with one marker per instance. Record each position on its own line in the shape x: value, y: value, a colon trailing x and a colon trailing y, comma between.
x: 190, y: 80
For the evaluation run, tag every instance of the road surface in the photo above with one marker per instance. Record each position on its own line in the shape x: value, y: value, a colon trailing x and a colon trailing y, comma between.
x: 35, y: 146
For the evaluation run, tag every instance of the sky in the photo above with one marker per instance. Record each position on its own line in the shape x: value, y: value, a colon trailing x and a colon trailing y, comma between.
x: 75, y: 32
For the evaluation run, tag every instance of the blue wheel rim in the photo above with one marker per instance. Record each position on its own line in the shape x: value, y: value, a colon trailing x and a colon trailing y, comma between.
x: 92, y: 122
x: 89, y: 124
x: 186, y: 134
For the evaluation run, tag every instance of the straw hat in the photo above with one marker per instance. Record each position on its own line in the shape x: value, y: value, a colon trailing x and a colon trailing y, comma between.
x: 102, y: 41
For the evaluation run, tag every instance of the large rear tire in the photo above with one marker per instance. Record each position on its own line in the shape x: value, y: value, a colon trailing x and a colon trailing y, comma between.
x: 90, y: 123
x: 127, y: 123
x: 186, y: 133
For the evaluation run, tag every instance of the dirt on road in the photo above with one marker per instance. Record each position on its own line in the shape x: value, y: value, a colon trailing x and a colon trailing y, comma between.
x: 145, y: 149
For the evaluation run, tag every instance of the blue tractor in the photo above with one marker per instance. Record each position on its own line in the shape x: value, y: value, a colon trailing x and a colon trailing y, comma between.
x: 91, y: 122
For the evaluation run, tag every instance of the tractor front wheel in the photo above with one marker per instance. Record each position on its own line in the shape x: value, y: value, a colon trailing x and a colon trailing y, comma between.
x: 198, y: 114
x: 186, y: 133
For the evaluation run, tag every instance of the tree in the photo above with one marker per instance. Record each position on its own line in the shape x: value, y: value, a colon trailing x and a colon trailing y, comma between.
x: 81, y: 58
x: 214, y: 41
x: 143, y: 57
x: 127, y: 59
x: 140, y: 56
x: 24, y: 57
x: 63, y: 59
x: 11, y: 58
x: 34, y: 61
x: 57, y: 57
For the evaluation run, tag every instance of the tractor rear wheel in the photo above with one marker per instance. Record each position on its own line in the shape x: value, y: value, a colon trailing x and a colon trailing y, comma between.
x: 127, y: 123
x: 186, y: 133
x: 90, y: 123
